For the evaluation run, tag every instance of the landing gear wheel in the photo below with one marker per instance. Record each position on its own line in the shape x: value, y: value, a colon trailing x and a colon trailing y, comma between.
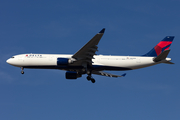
x: 88, y: 78
x: 22, y: 72
x: 93, y: 80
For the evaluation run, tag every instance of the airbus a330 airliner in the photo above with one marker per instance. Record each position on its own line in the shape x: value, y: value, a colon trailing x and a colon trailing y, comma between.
x: 85, y: 61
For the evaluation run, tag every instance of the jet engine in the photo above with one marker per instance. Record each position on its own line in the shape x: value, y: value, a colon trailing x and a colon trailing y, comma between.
x: 65, y: 61
x: 72, y: 75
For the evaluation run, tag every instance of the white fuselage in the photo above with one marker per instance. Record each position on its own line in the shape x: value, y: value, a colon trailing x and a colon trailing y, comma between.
x: 45, y: 61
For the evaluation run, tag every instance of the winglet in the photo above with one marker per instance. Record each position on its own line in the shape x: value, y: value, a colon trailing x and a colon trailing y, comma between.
x: 123, y: 75
x: 102, y: 31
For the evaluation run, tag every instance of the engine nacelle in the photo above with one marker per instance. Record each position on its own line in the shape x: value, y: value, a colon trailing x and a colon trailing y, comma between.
x: 72, y: 75
x: 65, y: 61
x: 62, y: 61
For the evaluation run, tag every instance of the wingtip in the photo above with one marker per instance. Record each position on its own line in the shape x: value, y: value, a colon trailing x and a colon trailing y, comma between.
x: 123, y: 75
x: 102, y: 31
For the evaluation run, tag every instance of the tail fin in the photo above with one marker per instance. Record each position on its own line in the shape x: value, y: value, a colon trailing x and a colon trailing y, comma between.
x: 160, y: 47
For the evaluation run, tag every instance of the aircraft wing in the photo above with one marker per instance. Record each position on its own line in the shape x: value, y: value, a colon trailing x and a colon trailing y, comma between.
x: 107, y: 74
x: 86, y: 53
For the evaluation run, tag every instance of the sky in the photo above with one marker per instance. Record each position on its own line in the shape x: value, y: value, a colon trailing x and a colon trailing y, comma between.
x: 133, y: 27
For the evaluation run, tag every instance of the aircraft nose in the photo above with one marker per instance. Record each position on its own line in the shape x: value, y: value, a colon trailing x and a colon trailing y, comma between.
x: 8, y: 61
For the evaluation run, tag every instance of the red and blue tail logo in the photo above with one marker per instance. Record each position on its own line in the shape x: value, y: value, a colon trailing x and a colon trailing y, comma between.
x: 161, y: 46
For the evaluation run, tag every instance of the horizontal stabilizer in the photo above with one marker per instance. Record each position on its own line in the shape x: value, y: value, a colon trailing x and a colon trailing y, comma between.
x: 107, y: 74
x: 162, y: 56
x: 168, y: 62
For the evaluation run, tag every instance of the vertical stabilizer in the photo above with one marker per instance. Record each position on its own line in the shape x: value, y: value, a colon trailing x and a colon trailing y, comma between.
x: 161, y: 47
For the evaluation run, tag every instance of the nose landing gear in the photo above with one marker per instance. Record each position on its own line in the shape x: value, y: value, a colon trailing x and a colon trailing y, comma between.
x: 22, y: 70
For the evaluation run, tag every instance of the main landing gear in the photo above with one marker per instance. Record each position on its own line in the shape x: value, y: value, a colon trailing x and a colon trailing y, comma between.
x: 89, y: 77
x: 22, y: 70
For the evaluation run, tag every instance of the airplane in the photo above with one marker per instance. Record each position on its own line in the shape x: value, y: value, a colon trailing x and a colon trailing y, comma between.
x: 85, y: 61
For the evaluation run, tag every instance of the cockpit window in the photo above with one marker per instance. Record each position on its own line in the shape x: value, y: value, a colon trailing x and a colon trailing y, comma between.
x: 12, y: 57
